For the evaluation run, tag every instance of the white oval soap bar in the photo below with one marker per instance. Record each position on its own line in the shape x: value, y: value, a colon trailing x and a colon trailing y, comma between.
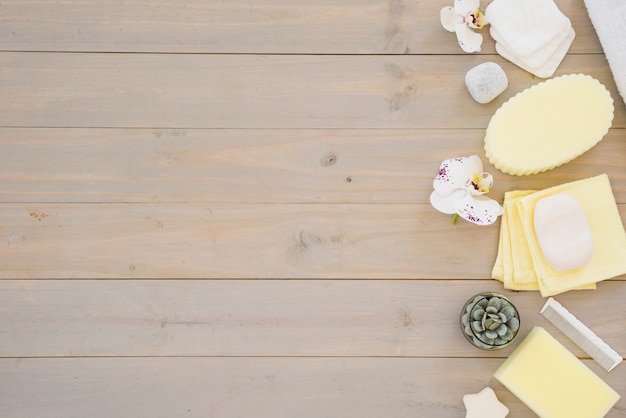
x: 548, y: 124
x: 563, y: 232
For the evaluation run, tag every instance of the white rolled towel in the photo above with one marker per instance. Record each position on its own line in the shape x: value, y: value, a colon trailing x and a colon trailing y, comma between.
x: 609, y: 19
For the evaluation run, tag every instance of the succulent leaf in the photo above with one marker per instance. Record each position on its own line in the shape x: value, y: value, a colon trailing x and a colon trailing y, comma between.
x: 496, y: 303
x: 491, y: 334
x: 508, y: 311
x: 478, y: 326
x: 513, y: 324
x: 509, y: 335
x: 489, y: 324
x: 491, y: 309
x: 478, y: 313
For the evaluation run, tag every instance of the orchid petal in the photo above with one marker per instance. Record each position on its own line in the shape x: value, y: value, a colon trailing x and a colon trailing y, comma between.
x: 449, y: 19
x: 447, y: 204
x: 463, y: 7
x: 475, y: 164
x: 469, y: 40
x: 454, y: 174
x: 479, y: 209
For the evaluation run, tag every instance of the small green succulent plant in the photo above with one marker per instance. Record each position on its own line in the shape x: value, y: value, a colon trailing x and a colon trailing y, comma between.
x: 490, y: 321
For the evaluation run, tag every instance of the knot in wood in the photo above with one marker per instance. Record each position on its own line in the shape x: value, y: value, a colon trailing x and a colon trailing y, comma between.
x: 328, y: 159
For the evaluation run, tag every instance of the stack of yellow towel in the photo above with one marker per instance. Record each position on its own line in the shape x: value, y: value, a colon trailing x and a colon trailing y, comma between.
x: 520, y: 263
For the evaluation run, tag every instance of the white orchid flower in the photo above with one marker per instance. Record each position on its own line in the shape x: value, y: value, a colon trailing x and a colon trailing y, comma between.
x: 459, y: 189
x: 461, y: 19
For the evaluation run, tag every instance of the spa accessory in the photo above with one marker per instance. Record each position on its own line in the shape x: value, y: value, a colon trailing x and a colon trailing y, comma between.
x: 490, y: 321
x: 549, y: 67
x: 514, y: 253
x: 486, y: 81
x: 608, y: 18
x: 484, y: 404
x: 532, y: 34
x: 563, y: 117
x: 578, y: 332
x: 520, y: 263
x: 552, y: 381
x: 563, y: 232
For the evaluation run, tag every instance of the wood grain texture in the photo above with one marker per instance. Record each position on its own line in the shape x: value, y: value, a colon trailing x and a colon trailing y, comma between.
x: 243, y: 387
x: 259, y: 166
x: 258, y: 91
x: 295, y: 318
x: 194, y: 241
x: 220, y: 209
x: 246, y: 26
x: 238, y: 241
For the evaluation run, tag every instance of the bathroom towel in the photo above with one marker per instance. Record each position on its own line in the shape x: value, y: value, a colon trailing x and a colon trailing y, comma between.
x: 526, y: 26
x: 508, y: 264
x: 533, y: 65
x: 609, y: 19
x: 554, y: 48
x: 609, y: 238
x: 514, y: 264
x: 533, y: 34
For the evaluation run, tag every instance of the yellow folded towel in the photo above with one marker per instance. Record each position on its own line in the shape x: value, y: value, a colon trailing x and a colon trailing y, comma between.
x: 520, y: 264
x: 513, y: 264
x: 523, y: 264
x: 609, y: 239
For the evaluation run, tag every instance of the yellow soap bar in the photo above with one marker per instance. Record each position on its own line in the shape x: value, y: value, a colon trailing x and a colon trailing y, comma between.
x: 548, y: 124
x: 552, y: 382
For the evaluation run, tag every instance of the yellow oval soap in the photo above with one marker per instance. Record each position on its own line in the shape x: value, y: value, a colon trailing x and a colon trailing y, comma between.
x: 548, y: 124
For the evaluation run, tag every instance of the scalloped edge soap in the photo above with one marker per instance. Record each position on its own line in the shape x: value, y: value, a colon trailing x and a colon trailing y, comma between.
x: 548, y: 124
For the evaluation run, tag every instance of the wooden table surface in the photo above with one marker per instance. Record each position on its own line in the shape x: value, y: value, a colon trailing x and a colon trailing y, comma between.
x: 220, y: 209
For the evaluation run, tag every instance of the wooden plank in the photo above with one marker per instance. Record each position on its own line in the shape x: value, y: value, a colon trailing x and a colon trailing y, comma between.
x: 244, y: 387
x: 43, y: 240
x: 257, y: 91
x: 165, y: 198
x: 270, y: 318
x: 245, y: 26
x: 273, y: 166
x: 237, y: 241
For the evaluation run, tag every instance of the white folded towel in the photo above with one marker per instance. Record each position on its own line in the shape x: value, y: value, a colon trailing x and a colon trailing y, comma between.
x: 525, y: 26
x: 547, y: 68
x: 541, y: 56
x: 533, y: 34
x: 609, y: 20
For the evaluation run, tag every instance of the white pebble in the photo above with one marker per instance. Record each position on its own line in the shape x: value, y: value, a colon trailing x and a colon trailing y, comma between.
x: 486, y: 81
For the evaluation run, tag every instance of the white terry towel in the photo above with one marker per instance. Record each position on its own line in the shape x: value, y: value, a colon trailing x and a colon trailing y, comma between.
x: 525, y: 26
x: 544, y: 53
x: 609, y: 20
x: 533, y: 34
x: 545, y: 69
